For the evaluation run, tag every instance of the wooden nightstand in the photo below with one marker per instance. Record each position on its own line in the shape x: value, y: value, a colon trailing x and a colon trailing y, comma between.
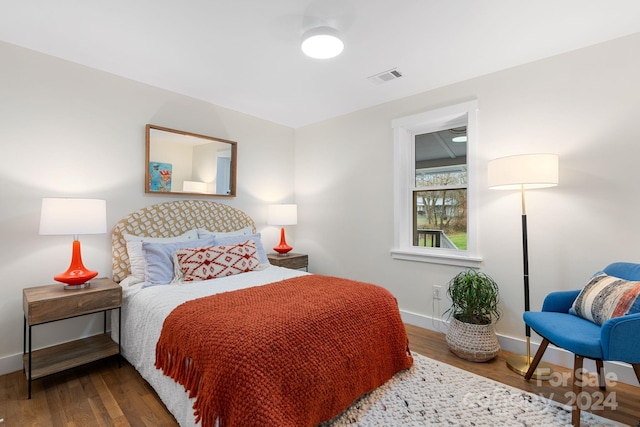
x: 291, y: 260
x: 50, y: 303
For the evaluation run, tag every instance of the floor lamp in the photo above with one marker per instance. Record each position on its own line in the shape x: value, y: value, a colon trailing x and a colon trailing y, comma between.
x: 524, y: 172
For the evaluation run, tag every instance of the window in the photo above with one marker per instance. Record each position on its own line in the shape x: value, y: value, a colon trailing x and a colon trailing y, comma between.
x: 434, y: 180
x: 439, y: 190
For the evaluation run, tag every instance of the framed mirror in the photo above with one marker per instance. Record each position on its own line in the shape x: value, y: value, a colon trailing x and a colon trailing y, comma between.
x: 179, y: 162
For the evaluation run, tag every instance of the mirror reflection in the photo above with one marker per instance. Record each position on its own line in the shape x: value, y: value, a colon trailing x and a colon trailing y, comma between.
x: 179, y: 162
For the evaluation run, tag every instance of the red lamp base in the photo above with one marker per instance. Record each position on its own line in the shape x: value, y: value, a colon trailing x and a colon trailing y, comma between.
x: 77, y: 274
x: 282, y: 247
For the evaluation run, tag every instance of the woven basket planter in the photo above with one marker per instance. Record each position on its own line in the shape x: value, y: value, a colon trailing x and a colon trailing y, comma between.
x: 477, y: 343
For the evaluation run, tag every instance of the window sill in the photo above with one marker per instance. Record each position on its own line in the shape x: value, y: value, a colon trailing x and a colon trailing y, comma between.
x: 430, y: 256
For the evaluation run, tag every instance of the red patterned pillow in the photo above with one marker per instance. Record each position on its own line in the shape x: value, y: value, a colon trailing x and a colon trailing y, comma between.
x: 211, y: 262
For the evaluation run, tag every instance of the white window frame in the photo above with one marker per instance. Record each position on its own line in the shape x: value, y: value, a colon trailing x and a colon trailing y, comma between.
x: 405, y: 130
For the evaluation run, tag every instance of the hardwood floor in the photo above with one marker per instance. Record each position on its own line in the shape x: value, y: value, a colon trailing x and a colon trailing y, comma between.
x: 97, y: 394
x: 101, y: 394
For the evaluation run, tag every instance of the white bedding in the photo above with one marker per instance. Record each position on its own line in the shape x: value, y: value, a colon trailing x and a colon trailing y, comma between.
x: 144, y: 311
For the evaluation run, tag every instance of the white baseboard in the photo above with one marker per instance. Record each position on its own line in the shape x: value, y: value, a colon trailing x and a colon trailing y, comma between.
x: 554, y: 355
x: 10, y: 363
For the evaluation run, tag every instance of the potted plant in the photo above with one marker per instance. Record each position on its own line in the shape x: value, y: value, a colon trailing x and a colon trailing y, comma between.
x: 474, y: 309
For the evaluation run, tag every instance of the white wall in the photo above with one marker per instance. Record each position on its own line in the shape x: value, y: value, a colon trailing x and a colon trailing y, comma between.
x: 583, y: 106
x: 67, y: 130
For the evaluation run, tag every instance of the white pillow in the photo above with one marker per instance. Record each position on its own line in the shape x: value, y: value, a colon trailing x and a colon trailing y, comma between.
x: 136, y: 256
x: 203, y: 233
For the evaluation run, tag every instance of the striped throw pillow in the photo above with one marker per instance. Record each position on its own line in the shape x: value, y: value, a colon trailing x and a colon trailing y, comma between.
x: 606, y: 297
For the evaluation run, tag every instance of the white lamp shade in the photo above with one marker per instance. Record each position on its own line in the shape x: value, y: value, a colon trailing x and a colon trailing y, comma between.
x: 282, y: 215
x: 73, y: 216
x: 526, y: 171
x: 322, y: 43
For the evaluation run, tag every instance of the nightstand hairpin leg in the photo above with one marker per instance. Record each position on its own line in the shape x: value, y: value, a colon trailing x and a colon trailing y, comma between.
x: 24, y: 352
x: 119, y: 337
x: 29, y: 378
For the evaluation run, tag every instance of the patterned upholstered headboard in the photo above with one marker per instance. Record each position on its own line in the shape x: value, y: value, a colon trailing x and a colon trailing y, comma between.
x: 172, y: 219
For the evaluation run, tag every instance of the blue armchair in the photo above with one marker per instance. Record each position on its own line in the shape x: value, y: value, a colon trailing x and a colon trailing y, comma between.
x: 616, y: 340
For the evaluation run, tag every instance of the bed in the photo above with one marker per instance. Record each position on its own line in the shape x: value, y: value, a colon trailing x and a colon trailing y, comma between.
x: 257, y: 344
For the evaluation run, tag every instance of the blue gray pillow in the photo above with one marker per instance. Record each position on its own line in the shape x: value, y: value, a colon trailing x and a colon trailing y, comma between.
x: 159, y: 268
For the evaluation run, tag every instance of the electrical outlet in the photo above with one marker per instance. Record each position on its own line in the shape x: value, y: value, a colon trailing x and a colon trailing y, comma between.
x: 437, y: 292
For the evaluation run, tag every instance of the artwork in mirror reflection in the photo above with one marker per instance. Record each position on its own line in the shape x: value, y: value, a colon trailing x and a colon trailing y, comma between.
x: 181, y: 162
x: 159, y: 176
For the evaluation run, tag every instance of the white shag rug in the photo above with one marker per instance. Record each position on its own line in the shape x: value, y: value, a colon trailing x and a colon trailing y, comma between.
x: 434, y: 393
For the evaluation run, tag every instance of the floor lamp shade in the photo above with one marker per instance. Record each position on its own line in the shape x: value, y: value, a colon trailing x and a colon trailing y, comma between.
x: 61, y: 216
x: 527, y: 170
x: 281, y: 215
x: 522, y: 172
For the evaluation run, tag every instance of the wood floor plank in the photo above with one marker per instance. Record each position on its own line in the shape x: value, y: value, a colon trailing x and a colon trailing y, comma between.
x: 105, y: 397
x: 102, y: 394
x: 9, y: 393
x: 75, y: 408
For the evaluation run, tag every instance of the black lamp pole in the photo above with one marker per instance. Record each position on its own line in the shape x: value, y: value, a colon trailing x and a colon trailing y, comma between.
x: 519, y: 363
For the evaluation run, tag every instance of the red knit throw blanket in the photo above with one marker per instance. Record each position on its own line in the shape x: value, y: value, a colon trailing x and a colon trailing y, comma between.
x: 291, y: 353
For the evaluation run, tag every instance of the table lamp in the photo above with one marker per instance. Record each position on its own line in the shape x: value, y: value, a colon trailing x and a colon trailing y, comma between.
x: 282, y: 215
x: 61, y: 216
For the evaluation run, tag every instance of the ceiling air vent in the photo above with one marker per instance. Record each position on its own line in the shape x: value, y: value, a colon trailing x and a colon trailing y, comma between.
x: 385, y: 76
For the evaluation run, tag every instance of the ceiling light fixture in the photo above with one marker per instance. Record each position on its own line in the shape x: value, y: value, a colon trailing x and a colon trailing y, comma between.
x: 322, y: 43
x: 459, y: 139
